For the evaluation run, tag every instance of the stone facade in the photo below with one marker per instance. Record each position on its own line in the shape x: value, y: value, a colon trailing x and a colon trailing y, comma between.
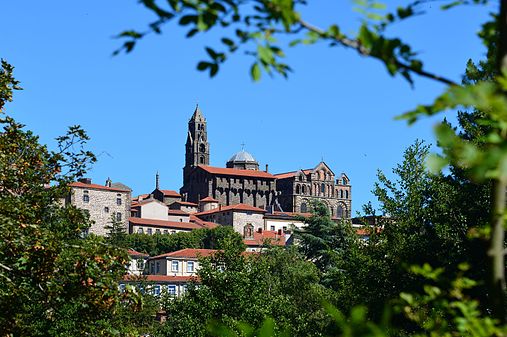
x: 242, y: 181
x: 102, y: 202
x: 297, y: 189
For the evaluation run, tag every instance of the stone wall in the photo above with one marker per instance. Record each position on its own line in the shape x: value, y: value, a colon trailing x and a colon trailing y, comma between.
x: 102, y: 205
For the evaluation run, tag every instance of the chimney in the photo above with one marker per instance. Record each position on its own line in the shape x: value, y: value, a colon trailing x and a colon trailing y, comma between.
x: 157, y: 180
x: 109, y: 182
x: 267, y: 167
x: 85, y: 180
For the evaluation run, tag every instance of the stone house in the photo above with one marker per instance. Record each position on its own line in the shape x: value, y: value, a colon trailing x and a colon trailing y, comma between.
x: 102, y: 202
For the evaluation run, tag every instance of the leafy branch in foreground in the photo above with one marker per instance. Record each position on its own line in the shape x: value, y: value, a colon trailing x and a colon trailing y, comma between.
x: 258, y: 26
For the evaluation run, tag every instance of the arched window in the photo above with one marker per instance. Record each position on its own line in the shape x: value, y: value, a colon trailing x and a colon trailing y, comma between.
x: 341, y: 194
x: 322, y: 188
x: 202, y: 148
x: 298, y: 189
x: 344, y: 181
x: 201, y: 160
x: 340, y: 212
x: 304, y: 208
x: 248, y: 231
x: 346, y: 194
x: 303, y: 189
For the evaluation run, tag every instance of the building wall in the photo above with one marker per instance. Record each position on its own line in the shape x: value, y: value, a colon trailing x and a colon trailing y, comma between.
x: 166, y: 264
x: 102, y: 206
x: 178, y: 218
x: 151, y: 230
x: 280, y: 224
x: 154, y: 210
x: 241, y: 219
x: 136, y: 265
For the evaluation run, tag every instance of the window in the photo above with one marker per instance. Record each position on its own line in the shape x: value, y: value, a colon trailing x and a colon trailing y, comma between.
x: 303, y: 189
x: 273, y: 228
x: 118, y: 216
x: 346, y: 194
x: 298, y: 189
x: 118, y: 201
x: 339, y: 212
x: 174, y: 266
x: 344, y: 181
x: 157, y: 270
x: 285, y: 229
x: 140, y: 264
x: 190, y: 266
x: 156, y: 290
x: 173, y: 232
x: 341, y: 194
x: 122, y: 287
x: 150, y: 231
x: 201, y: 160
x: 171, y: 290
x: 166, y: 231
x: 322, y: 188
x: 152, y: 268
x: 304, y: 207
x: 140, y: 231
x: 86, y: 197
x: 157, y: 231
x: 106, y: 209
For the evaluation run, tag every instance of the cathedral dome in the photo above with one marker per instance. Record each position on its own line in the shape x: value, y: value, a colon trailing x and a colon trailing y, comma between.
x: 242, y: 156
x: 243, y: 160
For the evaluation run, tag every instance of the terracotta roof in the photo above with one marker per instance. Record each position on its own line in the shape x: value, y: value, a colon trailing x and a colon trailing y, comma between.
x: 271, y: 237
x: 170, y: 193
x: 209, y: 199
x: 186, y: 203
x: 177, y: 212
x: 132, y: 252
x: 291, y: 174
x: 206, y: 224
x: 96, y: 187
x: 147, y: 201
x: 141, y: 197
x: 160, y: 278
x: 237, y: 207
x: 164, y: 223
x: 188, y: 253
x: 236, y: 172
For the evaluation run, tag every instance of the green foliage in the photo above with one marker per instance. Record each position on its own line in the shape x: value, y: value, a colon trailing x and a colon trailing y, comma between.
x: 157, y: 244
x: 258, y: 26
x: 53, y: 281
x: 237, y: 289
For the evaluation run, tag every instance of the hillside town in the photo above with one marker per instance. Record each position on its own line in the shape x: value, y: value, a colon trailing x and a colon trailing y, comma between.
x: 263, y: 207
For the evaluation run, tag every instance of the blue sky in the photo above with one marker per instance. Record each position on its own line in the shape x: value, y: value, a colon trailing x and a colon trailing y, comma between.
x: 336, y: 105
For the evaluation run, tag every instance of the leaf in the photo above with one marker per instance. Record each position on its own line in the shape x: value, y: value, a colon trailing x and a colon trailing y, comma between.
x: 255, y: 72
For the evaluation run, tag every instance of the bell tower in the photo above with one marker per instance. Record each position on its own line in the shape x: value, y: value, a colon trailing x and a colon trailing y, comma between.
x: 197, y: 146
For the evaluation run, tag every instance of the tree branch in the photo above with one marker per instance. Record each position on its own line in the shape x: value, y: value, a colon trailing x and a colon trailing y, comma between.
x: 356, y: 45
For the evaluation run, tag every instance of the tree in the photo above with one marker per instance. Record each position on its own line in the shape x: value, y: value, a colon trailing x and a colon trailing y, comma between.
x: 236, y: 288
x: 53, y: 281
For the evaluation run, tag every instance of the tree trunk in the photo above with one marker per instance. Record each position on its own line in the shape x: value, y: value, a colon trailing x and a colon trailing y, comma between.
x: 496, y: 249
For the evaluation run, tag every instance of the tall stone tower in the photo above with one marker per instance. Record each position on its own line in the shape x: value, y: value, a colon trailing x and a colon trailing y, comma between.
x: 197, y: 146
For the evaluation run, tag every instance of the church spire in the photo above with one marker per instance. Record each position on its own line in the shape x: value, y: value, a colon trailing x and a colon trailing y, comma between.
x: 197, y: 116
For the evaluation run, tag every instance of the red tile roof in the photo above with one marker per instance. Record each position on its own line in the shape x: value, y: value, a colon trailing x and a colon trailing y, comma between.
x: 206, y: 224
x: 132, y: 252
x: 160, y: 278
x: 291, y: 174
x: 170, y: 193
x: 209, y: 199
x: 96, y: 187
x: 177, y: 212
x: 164, y: 223
x: 186, y: 203
x: 237, y: 207
x: 188, y: 253
x: 270, y: 237
x: 236, y: 172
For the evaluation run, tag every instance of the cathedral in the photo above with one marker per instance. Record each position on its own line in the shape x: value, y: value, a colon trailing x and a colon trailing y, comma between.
x: 241, y: 181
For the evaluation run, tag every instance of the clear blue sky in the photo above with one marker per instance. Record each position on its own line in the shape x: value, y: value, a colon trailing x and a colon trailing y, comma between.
x: 135, y: 107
